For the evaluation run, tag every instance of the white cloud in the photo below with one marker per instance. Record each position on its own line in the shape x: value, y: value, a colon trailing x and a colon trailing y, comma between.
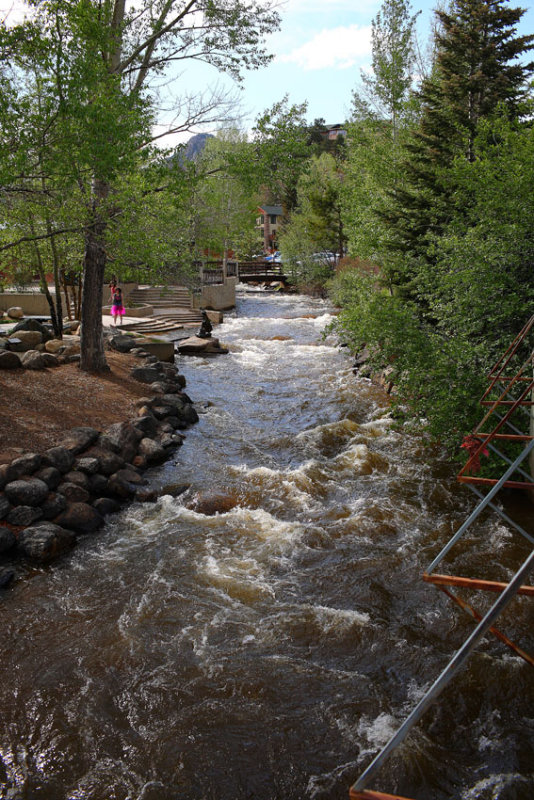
x: 338, y: 48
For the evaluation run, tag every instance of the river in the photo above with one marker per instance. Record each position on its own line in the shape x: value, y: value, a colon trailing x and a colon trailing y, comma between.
x: 269, y: 650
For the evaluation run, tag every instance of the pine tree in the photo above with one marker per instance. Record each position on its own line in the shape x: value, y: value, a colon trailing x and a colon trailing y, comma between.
x: 476, y: 72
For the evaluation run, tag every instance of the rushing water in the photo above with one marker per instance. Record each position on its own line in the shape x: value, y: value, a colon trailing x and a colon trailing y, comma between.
x: 269, y: 650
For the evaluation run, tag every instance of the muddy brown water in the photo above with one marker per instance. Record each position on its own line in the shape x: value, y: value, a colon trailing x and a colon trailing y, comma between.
x: 269, y: 650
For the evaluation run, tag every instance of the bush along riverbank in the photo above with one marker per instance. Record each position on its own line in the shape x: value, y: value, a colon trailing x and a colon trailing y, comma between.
x: 49, y: 499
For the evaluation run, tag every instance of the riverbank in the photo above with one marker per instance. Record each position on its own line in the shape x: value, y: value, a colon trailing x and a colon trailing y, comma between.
x: 38, y: 407
x: 79, y: 450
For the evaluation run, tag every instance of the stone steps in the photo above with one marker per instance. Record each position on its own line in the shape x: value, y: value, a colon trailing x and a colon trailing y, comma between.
x: 162, y: 296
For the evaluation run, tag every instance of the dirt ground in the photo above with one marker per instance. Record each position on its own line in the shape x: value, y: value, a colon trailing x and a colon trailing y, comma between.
x: 38, y: 406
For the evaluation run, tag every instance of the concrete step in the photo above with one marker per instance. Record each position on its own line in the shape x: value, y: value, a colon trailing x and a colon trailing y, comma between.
x: 162, y: 297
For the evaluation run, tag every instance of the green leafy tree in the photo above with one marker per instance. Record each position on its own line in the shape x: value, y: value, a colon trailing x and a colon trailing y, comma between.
x: 393, y: 57
x: 97, y: 62
x: 281, y: 150
x: 316, y: 225
x: 225, y: 208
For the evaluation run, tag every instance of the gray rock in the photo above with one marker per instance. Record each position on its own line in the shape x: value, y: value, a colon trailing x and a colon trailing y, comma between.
x: 28, y: 338
x: 122, y: 343
x: 80, y: 517
x: 45, y: 541
x: 31, y: 492
x: 189, y: 414
x: 105, y: 506
x: 50, y: 475
x: 34, y: 325
x: 54, y: 504
x: 161, y: 411
x: 125, y: 483
x: 25, y: 465
x: 175, y: 400
x: 24, y: 515
x: 32, y: 359
x: 144, y: 494
x: 73, y: 493
x: 121, y: 438
x: 5, y: 506
x: 87, y: 465
x: 148, y: 374
x: 7, y: 539
x: 108, y: 462
x: 58, y: 457
x: 146, y: 424
x: 9, y: 360
x: 151, y: 451
x: 79, y: 439
x: 50, y: 360
x: 167, y: 441
x: 6, y: 577
x: 98, y: 484
x: 3, y: 475
x: 79, y: 478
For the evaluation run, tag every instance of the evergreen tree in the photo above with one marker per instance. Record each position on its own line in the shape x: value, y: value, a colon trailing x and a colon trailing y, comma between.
x: 476, y: 73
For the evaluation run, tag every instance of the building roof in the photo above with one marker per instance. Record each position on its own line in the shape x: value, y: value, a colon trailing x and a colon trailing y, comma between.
x: 271, y: 210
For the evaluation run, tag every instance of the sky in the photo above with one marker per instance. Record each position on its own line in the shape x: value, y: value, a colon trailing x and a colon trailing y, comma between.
x: 319, y: 52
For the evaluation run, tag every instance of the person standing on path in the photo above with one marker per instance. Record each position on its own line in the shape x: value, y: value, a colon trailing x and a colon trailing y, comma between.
x: 117, y: 306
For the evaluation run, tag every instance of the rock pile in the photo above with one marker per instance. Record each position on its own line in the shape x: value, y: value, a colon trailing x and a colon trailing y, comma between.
x: 31, y: 345
x: 47, y: 499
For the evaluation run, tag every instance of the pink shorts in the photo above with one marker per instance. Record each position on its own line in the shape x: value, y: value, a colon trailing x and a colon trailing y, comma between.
x: 118, y: 311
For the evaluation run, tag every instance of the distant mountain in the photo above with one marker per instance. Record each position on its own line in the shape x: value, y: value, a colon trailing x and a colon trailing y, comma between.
x: 195, y: 146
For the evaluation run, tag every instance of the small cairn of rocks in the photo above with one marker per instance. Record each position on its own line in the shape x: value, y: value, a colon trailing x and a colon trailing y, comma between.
x: 48, y: 499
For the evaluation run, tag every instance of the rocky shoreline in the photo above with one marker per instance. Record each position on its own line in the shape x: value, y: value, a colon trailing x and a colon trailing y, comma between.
x: 49, y: 499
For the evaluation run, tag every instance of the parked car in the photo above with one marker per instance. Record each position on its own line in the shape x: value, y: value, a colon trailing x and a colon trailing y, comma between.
x: 274, y: 258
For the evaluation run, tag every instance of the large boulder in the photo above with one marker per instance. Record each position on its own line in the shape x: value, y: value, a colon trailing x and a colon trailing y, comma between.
x: 33, y: 359
x: 50, y: 475
x: 73, y: 492
x: 148, y: 374
x: 24, y: 515
x: 50, y: 360
x: 79, y: 439
x: 9, y: 360
x: 28, y: 338
x: 34, y: 325
x: 122, y: 342
x: 5, y: 506
x: 108, y: 462
x: 151, y: 451
x: 106, y: 505
x: 81, y: 518
x: 7, y: 539
x: 59, y: 457
x: 125, y: 482
x: 121, y: 438
x: 195, y: 346
x: 24, y: 465
x: 66, y: 345
x: 53, y: 505
x: 89, y: 466
x: 15, y: 312
x: 31, y: 492
x: 45, y: 541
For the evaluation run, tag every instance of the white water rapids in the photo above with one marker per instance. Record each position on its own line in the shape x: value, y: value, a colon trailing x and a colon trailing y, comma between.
x: 269, y: 650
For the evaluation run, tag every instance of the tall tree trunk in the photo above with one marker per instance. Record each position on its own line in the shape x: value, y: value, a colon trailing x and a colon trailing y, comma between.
x: 93, y: 358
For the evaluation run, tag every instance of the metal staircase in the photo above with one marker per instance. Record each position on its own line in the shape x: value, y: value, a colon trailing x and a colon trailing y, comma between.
x: 500, y: 444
